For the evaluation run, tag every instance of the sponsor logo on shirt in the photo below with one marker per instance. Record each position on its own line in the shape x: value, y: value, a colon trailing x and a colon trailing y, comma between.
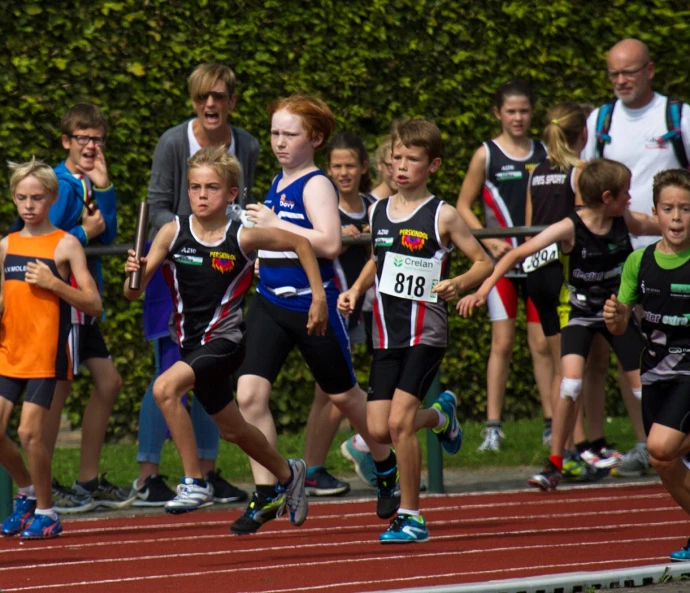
x: 383, y: 242
x: 221, y: 261
x: 412, y: 239
x: 188, y: 260
x: 285, y: 203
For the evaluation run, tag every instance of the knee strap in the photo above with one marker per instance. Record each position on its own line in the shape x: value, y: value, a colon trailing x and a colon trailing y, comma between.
x: 570, y: 388
x: 637, y: 392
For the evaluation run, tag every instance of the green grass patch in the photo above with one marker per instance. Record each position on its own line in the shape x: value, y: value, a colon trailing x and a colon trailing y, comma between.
x: 522, y: 446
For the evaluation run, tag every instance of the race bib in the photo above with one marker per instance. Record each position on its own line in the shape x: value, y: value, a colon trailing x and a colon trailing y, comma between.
x: 409, y: 277
x: 540, y: 258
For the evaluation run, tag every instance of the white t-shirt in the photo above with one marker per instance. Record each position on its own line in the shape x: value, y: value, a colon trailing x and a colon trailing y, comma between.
x: 636, y: 142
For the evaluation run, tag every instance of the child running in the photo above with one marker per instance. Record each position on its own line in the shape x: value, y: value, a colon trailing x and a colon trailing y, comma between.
x: 499, y: 173
x: 413, y: 233
x: 208, y: 262
x: 303, y: 200
x: 657, y: 277
x: 35, y: 306
x: 594, y: 242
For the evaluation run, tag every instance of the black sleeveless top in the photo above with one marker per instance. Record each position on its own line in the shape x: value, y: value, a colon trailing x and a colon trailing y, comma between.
x: 552, y: 194
x: 207, y: 283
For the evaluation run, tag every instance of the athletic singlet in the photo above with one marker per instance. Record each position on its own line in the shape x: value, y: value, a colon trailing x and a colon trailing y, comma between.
x: 552, y: 193
x: 592, y: 270
x: 505, y: 186
x: 350, y: 262
x: 282, y: 279
x: 401, y: 322
x: 36, y: 322
x: 665, y: 298
x: 207, y: 282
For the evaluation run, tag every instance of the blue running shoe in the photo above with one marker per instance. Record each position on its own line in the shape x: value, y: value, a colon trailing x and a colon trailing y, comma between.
x: 451, y: 434
x: 364, y: 462
x: 682, y: 555
x: 21, y: 516
x: 42, y: 527
x: 405, y: 529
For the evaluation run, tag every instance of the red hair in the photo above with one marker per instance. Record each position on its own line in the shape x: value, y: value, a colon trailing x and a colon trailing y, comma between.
x: 317, y: 117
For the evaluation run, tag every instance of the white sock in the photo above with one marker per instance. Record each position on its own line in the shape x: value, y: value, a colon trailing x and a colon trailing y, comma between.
x: 27, y: 491
x: 360, y: 444
x: 442, y: 418
x: 410, y: 512
x: 48, y: 513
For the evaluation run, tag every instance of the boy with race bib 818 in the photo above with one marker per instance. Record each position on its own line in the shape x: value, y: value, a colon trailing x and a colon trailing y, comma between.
x: 413, y: 233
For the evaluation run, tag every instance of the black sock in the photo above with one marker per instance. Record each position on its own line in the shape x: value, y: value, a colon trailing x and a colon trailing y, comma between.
x: 90, y: 485
x: 388, y: 464
x: 582, y: 447
x: 267, y: 491
x: 493, y: 424
x: 547, y: 422
x: 598, y: 444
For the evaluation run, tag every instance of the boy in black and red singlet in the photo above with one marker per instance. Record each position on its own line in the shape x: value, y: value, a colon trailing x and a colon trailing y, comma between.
x: 35, y: 307
x: 413, y: 233
x: 208, y: 264
x: 657, y: 277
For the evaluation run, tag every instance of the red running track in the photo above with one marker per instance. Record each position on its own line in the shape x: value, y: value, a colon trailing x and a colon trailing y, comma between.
x: 474, y: 538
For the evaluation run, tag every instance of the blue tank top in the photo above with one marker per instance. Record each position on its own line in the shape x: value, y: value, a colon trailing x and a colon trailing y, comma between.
x: 282, y: 280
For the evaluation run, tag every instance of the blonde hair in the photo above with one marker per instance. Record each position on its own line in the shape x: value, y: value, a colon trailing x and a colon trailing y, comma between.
x: 599, y: 176
x: 34, y: 168
x: 205, y: 76
x: 216, y: 158
x: 564, y: 126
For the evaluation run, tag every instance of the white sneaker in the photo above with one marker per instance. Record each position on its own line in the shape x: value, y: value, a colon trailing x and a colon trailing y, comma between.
x: 190, y: 496
x: 295, y: 496
x: 492, y: 439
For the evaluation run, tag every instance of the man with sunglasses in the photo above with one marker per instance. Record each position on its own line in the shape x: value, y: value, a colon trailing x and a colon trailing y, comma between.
x: 212, y: 91
x: 638, y: 136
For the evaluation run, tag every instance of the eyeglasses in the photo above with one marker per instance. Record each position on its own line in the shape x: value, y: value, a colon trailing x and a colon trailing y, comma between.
x: 84, y: 140
x: 217, y: 96
x: 627, y: 74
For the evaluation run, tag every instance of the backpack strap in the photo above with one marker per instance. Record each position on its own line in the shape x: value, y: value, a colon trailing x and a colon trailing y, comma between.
x: 674, y: 111
x: 603, y: 126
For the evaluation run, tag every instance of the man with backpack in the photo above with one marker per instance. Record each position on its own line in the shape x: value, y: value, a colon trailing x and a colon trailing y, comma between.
x: 648, y: 132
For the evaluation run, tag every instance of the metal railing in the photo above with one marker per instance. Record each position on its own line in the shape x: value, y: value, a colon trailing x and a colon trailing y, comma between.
x: 434, y: 451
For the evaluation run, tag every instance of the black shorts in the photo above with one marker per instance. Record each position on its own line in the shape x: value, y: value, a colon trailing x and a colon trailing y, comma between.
x: 214, y: 365
x: 667, y: 403
x: 273, y: 331
x: 86, y: 341
x: 576, y: 338
x: 544, y: 288
x: 38, y: 391
x: 409, y: 369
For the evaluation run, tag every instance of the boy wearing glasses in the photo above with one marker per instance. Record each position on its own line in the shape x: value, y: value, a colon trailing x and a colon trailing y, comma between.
x: 212, y: 93
x: 87, y: 209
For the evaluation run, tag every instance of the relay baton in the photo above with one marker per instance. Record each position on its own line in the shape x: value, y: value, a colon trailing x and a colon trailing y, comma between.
x: 139, y: 243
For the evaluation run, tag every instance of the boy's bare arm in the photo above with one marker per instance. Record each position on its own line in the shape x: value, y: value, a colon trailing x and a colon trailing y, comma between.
x: 155, y: 257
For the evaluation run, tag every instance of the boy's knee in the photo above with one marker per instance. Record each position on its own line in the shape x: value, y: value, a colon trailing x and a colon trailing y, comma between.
x: 380, y: 433
x: 661, y: 454
x: 162, y: 392
x: 27, y: 435
x: 570, y: 388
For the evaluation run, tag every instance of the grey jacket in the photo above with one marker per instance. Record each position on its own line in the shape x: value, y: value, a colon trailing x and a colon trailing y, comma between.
x: 167, y: 193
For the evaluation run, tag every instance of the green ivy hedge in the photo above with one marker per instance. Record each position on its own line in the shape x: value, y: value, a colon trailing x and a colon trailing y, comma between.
x: 372, y: 60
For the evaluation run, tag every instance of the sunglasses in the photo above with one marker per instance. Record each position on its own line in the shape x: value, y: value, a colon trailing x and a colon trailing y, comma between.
x: 217, y: 96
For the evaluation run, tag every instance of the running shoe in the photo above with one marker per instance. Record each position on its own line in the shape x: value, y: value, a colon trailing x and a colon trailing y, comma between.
x: 682, y: 555
x: 492, y: 439
x: 224, y: 491
x: 21, y: 515
x: 546, y: 437
x: 451, y: 434
x: 634, y: 463
x: 363, y: 461
x: 154, y: 493
x: 42, y: 527
x: 577, y: 470
x: 405, y: 529
x: 190, y: 497
x: 595, y: 459
x: 320, y: 483
x: 67, y: 501
x: 105, y: 494
x: 388, y: 499
x: 295, y: 496
x: 548, y: 478
x: 261, y: 509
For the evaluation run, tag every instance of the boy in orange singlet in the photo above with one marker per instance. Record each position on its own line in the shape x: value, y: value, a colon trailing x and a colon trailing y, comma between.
x: 35, y: 300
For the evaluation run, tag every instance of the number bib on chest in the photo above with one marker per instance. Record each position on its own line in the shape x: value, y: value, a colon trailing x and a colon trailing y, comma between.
x: 540, y: 258
x: 410, y: 277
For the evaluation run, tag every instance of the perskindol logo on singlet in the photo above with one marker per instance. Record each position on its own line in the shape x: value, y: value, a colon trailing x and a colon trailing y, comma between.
x: 221, y: 261
x: 412, y: 239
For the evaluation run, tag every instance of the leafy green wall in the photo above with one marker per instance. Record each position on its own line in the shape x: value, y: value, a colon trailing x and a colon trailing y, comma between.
x: 372, y: 60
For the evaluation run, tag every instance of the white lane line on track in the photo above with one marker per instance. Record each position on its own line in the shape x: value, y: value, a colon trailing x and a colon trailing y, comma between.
x: 306, y: 531
x: 313, y: 587
x: 307, y: 547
